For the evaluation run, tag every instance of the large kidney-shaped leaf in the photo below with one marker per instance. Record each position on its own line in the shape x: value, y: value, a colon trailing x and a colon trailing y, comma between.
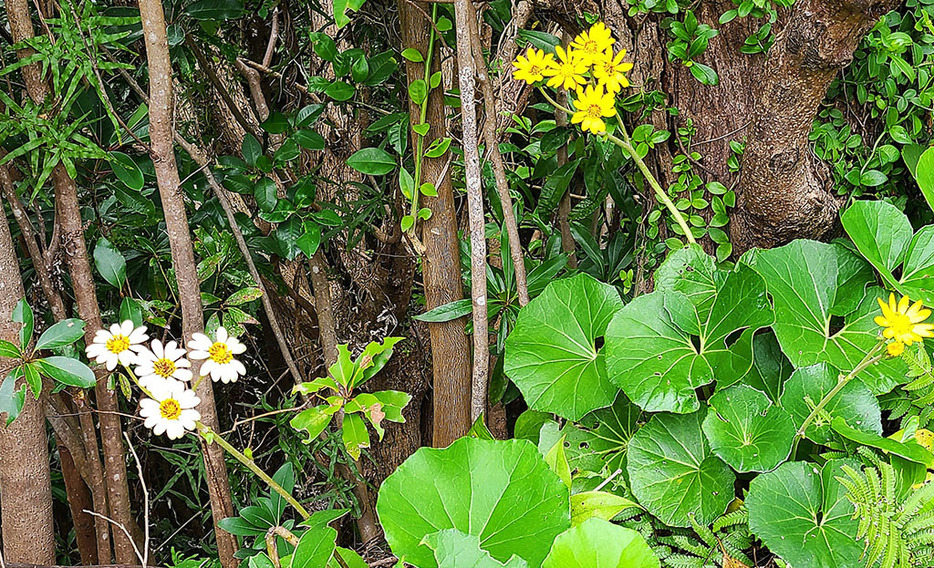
x: 660, y: 348
x: 823, y: 312
x: 597, y: 543
x: 801, y: 513
x: 500, y: 491
x: 551, y: 355
x: 746, y: 431
x: 454, y: 549
x: 770, y: 367
x: 884, y: 236
x: 597, y: 442
x: 692, y: 272
x: 854, y: 403
x: 674, y: 474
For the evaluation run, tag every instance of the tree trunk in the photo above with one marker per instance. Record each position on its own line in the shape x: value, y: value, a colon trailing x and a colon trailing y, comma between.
x: 25, y: 480
x: 783, y: 192
x: 162, y: 138
x: 450, y: 347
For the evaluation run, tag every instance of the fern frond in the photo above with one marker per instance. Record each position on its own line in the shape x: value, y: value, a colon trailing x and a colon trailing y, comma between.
x: 737, y: 517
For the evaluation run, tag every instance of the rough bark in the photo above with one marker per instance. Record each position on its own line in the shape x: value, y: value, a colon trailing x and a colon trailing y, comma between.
x: 450, y: 347
x: 463, y: 14
x: 25, y: 480
x: 783, y: 191
x: 176, y: 220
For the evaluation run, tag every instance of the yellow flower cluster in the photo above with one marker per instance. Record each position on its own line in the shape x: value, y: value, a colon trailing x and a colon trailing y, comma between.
x: 902, y: 323
x: 589, y: 67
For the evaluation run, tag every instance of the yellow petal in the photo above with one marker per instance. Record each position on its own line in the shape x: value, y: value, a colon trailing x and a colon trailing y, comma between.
x: 903, y: 304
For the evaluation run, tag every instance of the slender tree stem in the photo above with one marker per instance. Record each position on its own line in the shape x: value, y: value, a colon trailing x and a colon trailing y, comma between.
x: 626, y: 145
x: 210, y: 436
x: 871, y: 357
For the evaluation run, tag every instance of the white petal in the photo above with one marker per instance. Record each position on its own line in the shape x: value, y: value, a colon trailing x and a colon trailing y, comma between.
x: 198, y: 354
x: 237, y: 367
x: 183, y: 374
x: 111, y: 361
x: 174, y: 430
x: 159, y: 427
x: 237, y: 348
x: 126, y: 328
x: 94, y: 350
x: 157, y: 349
x: 208, y: 367
x: 115, y: 329
x: 222, y: 335
x: 138, y: 335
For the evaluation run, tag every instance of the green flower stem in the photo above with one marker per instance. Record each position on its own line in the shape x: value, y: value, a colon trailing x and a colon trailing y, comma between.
x: 626, y: 146
x: 872, y: 357
x: 210, y: 436
x: 419, y: 139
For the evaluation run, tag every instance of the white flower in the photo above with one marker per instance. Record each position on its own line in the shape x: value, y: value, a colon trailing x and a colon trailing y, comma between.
x: 163, y: 363
x: 119, y: 345
x: 171, y: 410
x: 219, y: 355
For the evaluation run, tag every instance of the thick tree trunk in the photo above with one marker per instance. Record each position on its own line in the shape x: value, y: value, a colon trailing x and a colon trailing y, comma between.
x: 450, y: 347
x: 25, y: 480
x: 162, y: 138
x: 783, y: 192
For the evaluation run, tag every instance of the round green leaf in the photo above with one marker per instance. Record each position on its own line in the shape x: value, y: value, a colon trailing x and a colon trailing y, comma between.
x: 801, y: 513
x: 815, y: 288
x: 689, y: 270
x: 551, y: 354
x: 746, y: 431
x: 500, y: 491
x: 918, y: 271
x: 673, y: 473
x: 854, y: 403
x: 661, y: 348
x: 597, y: 543
x: 314, y: 548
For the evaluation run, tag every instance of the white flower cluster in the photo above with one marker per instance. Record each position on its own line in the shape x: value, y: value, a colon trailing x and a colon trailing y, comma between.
x: 163, y: 371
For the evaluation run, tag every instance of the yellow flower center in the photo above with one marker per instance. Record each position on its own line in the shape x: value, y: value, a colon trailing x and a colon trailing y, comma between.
x: 164, y: 368
x: 594, y: 111
x: 901, y: 324
x: 590, y: 47
x: 535, y: 70
x: 170, y: 409
x: 220, y: 354
x: 118, y: 344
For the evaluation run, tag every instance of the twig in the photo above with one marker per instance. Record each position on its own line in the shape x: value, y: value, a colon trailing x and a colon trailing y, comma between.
x: 466, y: 73
x: 142, y: 483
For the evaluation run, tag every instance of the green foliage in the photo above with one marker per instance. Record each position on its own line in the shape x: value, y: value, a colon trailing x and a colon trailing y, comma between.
x: 482, y: 488
x: 897, y: 528
x: 344, y: 378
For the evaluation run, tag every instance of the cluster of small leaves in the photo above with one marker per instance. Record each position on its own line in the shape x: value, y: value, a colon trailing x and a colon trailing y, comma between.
x: 761, y: 40
x: 916, y: 399
x: 690, y: 40
x: 890, y: 82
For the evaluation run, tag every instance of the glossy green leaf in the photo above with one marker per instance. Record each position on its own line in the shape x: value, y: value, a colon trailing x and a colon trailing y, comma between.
x: 313, y: 420
x: 217, y: 10
x: 110, y: 263
x: 911, y: 450
x: 22, y: 314
x: 355, y: 435
x: 314, y: 548
x: 823, y: 312
x: 924, y: 173
x: 478, y: 487
x: 881, y: 233
x: 746, y: 431
x: 9, y: 350
x: 61, y: 334
x: 673, y: 473
x: 801, y: 513
x: 660, y: 348
x: 551, y: 354
x: 770, y: 367
x: 126, y: 170
x: 447, y: 312
x: 12, y: 399
x: 67, y: 371
x: 372, y: 161
x: 855, y: 403
x: 599, y: 544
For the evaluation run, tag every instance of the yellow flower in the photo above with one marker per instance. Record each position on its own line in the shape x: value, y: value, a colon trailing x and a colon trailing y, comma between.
x: 903, y: 323
x: 593, y: 104
x: 568, y: 71
x: 591, y: 45
x: 611, y: 71
x: 532, y: 67
x: 895, y: 349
